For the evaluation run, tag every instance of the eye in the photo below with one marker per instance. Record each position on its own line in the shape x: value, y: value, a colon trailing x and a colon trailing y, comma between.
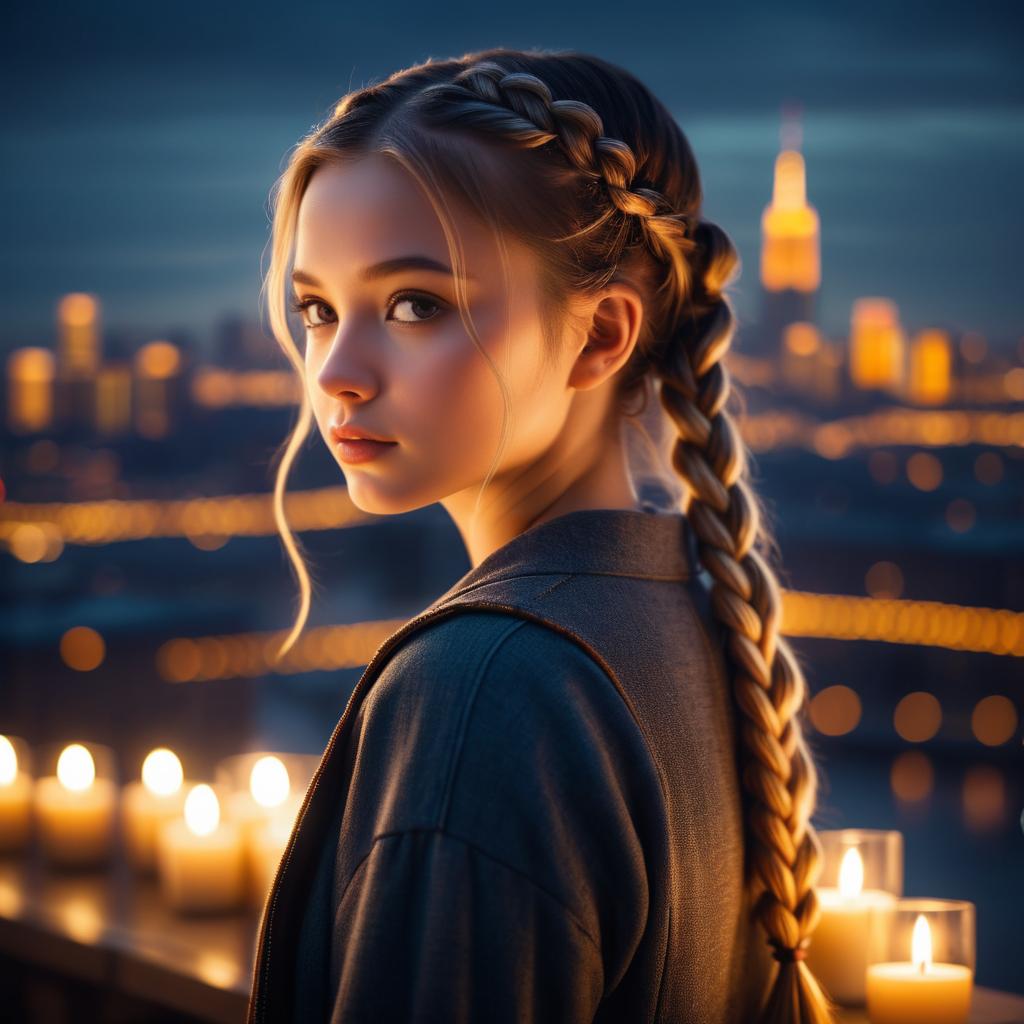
x: 416, y: 302
x: 419, y: 304
x: 300, y: 306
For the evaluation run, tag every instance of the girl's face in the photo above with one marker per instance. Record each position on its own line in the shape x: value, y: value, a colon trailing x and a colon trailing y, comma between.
x: 387, y: 352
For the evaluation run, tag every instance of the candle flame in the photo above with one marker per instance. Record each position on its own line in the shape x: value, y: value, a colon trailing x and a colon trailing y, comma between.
x: 162, y: 774
x: 202, y: 810
x: 76, y: 768
x: 269, y: 782
x: 851, y: 874
x: 921, y: 944
x: 8, y: 762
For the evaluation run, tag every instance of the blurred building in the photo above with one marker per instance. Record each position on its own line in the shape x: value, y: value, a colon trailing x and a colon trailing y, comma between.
x: 790, y: 249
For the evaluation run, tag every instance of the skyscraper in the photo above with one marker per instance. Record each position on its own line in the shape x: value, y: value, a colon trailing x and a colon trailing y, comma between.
x: 790, y: 248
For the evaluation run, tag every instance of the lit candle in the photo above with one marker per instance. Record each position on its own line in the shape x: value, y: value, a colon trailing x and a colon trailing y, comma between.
x: 146, y: 805
x: 838, y: 953
x: 15, y: 799
x: 920, y: 992
x: 75, y: 810
x: 199, y: 857
x: 268, y: 800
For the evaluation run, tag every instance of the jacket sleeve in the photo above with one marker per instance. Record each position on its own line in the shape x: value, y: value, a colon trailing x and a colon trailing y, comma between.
x: 440, y: 931
x: 492, y: 861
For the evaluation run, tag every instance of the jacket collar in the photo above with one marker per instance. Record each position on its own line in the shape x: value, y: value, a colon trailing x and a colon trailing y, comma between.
x: 648, y: 543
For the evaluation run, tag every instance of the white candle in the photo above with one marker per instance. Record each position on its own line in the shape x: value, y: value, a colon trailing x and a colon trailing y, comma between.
x: 838, y: 953
x: 15, y: 799
x: 75, y: 810
x: 268, y: 800
x: 199, y: 857
x: 920, y: 992
x: 146, y: 805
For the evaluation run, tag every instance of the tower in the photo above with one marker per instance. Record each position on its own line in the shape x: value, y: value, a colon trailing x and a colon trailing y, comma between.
x: 790, y: 246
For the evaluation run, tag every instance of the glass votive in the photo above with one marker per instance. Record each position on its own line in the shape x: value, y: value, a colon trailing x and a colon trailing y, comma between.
x: 200, y: 860
x: 157, y: 796
x: 75, y: 803
x: 265, y: 790
x: 921, y: 961
x: 16, y: 783
x: 862, y: 874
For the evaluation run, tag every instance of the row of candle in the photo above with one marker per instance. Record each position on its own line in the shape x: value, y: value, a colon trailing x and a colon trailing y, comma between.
x: 206, y: 861
x: 867, y: 929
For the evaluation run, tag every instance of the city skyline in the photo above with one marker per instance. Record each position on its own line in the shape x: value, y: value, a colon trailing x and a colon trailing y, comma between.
x: 151, y: 188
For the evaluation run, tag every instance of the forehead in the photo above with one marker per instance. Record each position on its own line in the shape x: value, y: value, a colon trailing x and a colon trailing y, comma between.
x: 371, y: 209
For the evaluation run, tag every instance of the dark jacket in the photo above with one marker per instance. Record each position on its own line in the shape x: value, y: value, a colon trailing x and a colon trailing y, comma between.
x: 529, y: 810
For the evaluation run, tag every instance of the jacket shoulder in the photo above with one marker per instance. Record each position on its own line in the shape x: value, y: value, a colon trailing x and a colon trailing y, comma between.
x: 506, y: 734
x: 480, y: 704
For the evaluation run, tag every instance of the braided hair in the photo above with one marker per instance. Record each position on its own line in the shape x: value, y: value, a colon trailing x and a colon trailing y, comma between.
x: 622, y: 190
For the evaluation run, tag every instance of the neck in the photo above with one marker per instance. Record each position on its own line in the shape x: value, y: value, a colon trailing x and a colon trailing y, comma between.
x: 568, y: 477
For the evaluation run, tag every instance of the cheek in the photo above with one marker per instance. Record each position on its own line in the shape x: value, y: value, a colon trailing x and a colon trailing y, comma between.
x: 450, y: 403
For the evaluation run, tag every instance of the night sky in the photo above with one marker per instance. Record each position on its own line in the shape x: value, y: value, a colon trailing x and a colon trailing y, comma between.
x: 139, y: 145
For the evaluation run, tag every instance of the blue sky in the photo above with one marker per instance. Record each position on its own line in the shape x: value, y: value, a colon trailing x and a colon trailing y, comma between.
x: 140, y: 144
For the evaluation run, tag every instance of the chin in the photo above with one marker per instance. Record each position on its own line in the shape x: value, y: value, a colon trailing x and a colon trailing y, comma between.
x: 376, y: 501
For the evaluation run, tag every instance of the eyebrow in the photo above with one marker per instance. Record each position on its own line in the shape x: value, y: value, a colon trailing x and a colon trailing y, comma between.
x: 385, y: 269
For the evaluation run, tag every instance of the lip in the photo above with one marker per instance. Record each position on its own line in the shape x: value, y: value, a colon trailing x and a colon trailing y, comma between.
x: 353, y: 432
x: 362, y: 450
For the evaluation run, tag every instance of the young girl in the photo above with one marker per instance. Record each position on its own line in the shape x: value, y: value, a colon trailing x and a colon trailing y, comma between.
x: 575, y: 787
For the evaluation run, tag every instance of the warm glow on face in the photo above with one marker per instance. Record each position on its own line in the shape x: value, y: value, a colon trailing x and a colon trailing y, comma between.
x: 8, y: 762
x: 202, y: 811
x: 162, y: 774
x: 269, y: 782
x: 851, y: 874
x: 75, y: 768
x: 921, y: 943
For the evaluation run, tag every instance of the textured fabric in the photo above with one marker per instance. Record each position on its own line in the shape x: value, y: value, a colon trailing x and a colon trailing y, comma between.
x: 530, y: 811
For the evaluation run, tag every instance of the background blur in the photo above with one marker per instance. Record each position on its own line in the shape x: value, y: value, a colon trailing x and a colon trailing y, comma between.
x: 865, y: 158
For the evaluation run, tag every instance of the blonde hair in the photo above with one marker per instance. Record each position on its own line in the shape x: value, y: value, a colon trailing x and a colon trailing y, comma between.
x: 612, y: 190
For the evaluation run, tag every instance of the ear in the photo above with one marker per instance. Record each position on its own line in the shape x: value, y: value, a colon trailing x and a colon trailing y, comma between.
x: 614, y: 317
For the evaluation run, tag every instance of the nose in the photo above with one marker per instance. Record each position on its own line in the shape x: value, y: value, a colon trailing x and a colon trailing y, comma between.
x: 344, y: 370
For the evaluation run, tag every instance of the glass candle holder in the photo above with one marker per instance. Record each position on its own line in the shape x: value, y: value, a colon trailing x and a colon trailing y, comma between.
x: 921, y: 962
x: 862, y: 874
x: 146, y: 803
x: 16, y: 784
x: 265, y: 790
x: 199, y: 856
x: 75, y: 802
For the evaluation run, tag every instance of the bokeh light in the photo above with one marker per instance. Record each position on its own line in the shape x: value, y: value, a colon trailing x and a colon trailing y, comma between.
x: 994, y: 720
x: 917, y: 717
x: 82, y: 648
x: 911, y: 776
x: 835, y: 710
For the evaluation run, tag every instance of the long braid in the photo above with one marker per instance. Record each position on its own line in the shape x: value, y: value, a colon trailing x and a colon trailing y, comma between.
x: 779, y: 776
x: 778, y: 773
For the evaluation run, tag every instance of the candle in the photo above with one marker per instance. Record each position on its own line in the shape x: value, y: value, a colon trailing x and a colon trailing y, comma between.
x: 15, y: 799
x: 199, y: 857
x: 267, y: 801
x: 146, y: 805
x: 75, y: 810
x: 838, y: 953
x: 266, y: 850
x: 920, y: 992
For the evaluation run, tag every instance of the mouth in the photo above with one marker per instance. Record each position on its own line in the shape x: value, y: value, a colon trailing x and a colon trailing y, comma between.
x: 362, y: 450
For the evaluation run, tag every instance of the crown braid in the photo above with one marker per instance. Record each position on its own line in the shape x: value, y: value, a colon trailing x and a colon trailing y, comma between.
x: 519, y: 106
x: 778, y: 774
